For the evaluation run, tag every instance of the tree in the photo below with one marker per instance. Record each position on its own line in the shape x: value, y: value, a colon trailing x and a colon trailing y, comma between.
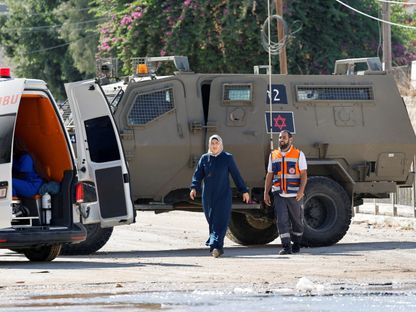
x: 79, y: 29
x: 30, y: 37
x: 224, y: 35
x: 216, y: 35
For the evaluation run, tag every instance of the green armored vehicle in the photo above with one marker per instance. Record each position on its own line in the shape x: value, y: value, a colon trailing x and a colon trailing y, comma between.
x: 352, y: 126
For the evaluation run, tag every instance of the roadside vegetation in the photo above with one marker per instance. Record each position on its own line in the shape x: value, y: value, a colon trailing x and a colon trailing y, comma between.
x: 58, y: 41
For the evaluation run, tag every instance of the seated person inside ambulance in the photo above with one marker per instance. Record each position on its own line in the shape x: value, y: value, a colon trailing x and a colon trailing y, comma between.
x: 26, y: 182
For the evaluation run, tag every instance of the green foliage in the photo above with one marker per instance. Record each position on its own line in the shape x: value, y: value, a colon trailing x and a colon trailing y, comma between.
x: 57, y: 41
x: 218, y: 36
x: 224, y: 35
x: 30, y: 37
x: 329, y: 32
x: 79, y: 28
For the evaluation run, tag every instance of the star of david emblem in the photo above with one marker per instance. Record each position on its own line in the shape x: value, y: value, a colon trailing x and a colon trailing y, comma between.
x: 280, y: 122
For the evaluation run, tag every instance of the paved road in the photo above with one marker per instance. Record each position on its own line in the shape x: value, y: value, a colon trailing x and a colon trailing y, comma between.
x: 166, y: 253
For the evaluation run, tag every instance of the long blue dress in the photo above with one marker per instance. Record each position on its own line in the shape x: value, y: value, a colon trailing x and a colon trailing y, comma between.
x: 28, y: 181
x: 216, y: 193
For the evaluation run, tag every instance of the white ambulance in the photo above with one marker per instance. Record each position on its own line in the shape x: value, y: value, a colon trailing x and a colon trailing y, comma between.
x: 29, y: 114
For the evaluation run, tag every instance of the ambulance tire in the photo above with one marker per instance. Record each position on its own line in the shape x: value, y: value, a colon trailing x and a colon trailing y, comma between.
x: 42, y: 253
x: 97, y: 237
x: 245, y: 229
x: 327, y: 212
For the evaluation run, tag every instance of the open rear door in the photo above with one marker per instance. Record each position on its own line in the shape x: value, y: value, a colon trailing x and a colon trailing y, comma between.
x: 10, y: 95
x: 100, y: 153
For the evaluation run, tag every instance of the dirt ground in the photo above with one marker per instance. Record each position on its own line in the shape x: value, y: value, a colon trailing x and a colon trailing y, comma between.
x: 165, y: 252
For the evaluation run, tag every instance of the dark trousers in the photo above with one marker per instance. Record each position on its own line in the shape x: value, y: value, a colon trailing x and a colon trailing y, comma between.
x: 289, y: 215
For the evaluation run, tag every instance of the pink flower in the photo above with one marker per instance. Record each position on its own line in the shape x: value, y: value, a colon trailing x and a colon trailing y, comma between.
x: 136, y: 15
x: 126, y: 20
x: 105, y: 46
x: 187, y: 3
x: 162, y: 52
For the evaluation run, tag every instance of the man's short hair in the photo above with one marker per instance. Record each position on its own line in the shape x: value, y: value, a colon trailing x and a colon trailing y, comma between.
x: 289, y: 134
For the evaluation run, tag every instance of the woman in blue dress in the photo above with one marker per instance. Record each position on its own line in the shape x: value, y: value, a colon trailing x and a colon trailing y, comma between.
x: 214, y: 168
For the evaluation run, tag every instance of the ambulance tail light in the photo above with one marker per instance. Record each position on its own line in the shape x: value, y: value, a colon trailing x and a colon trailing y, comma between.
x: 3, y: 189
x: 5, y: 72
x: 79, y: 193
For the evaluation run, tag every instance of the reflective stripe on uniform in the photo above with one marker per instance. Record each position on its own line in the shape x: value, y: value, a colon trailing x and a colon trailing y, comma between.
x: 286, y: 178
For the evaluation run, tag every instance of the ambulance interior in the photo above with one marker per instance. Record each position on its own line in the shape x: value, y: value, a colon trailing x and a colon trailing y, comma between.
x: 40, y: 132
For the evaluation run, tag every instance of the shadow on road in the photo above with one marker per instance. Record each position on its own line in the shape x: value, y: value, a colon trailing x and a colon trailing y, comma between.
x: 97, y: 260
x: 259, y: 251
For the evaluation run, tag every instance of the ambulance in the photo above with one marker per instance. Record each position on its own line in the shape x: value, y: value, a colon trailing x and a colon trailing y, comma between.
x: 40, y: 225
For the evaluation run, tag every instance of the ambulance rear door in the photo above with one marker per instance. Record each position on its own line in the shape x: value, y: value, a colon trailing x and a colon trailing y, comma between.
x: 10, y: 95
x: 99, y: 152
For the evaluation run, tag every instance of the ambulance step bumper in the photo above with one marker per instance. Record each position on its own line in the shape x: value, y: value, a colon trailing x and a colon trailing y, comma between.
x: 30, y: 237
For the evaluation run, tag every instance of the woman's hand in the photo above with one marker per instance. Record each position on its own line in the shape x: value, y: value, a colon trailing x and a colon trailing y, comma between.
x: 192, y: 194
x: 246, y: 198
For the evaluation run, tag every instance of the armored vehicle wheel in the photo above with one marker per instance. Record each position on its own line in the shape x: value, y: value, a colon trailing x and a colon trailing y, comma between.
x: 327, y: 211
x: 97, y: 237
x: 246, y: 229
x: 42, y: 253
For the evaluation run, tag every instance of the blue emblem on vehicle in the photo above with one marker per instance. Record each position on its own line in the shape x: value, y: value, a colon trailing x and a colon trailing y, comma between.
x: 280, y: 121
x: 278, y: 94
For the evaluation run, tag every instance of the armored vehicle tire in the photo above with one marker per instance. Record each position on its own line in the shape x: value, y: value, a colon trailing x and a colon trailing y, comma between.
x: 246, y: 229
x: 97, y: 237
x: 42, y: 253
x: 327, y: 212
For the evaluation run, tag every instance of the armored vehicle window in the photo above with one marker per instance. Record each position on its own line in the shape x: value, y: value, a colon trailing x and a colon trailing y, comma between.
x: 237, y: 94
x: 102, y: 140
x: 312, y: 93
x: 149, y: 106
x: 6, y: 136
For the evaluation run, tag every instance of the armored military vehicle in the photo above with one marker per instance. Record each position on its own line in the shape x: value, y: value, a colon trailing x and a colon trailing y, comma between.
x: 353, y: 127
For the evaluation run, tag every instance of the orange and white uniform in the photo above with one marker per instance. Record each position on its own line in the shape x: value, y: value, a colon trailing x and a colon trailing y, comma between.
x: 286, y: 167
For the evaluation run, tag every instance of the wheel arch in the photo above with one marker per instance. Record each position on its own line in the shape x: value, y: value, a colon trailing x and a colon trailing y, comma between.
x: 335, y: 170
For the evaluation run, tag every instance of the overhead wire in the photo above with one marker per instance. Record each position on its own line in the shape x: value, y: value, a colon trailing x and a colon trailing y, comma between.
x: 375, y: 18
x: 397, y: 2
x: 269, y: 50
x: 58, y: 46
x: 72, y: 10
x: 47, y: 27
x: 276, y: 47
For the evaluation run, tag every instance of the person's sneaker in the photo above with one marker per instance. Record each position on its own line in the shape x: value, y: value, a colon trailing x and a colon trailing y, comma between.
x: 216, y: 252
x: 286, y: 250
x: 295, y: 248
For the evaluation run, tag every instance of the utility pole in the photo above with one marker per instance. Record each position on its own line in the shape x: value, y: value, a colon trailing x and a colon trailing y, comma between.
x: 280, y: 36
x: 386, y: 36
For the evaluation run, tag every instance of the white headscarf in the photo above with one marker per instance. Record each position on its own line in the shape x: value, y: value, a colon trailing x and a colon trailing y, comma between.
x: 218, y: 138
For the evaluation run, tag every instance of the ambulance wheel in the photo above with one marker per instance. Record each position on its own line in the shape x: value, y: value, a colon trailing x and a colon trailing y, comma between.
x: 17, y: 250
x: 327, y: 212
x: 42, y: 253
x: 97, y: 237
x: 247, y: 229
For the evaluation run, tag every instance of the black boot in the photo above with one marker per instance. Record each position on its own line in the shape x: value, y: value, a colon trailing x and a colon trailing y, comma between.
x: 286, y: 250
x: 295, y: 247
